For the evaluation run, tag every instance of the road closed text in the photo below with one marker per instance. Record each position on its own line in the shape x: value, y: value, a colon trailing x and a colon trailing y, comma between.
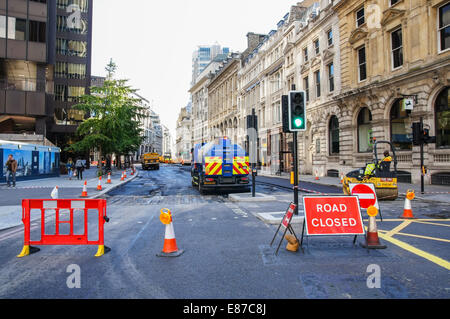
x: 333, y: 215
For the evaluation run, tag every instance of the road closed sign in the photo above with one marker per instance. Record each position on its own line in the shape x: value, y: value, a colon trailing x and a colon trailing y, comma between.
x: 333, y: 215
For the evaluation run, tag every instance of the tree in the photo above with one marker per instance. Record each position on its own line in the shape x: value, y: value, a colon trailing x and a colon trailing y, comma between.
x: 113, y: 125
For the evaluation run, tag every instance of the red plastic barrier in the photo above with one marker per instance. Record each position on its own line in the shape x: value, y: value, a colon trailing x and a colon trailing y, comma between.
x: 57, y: 205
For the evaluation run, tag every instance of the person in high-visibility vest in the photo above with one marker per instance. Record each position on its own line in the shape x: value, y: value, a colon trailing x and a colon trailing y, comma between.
x: 370, y: 168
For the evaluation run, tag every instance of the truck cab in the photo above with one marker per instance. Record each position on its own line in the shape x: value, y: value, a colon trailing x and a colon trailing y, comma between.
x: 150, y: 161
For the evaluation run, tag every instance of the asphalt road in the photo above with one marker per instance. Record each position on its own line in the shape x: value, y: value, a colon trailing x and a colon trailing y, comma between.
x: 227, y: 252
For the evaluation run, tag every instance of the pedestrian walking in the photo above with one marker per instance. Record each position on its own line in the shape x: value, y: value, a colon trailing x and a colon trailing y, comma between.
x: 79, y: 166
x: 69, y: 168
x: 11, y: 169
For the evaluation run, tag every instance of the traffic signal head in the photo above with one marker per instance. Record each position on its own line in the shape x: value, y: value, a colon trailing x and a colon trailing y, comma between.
x: 297, y: 111
x: 417, y: 134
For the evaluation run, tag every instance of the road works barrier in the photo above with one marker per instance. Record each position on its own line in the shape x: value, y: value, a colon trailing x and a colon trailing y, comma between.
x: 73, y: 206
x: 170, y: 248
x: 286, y: 225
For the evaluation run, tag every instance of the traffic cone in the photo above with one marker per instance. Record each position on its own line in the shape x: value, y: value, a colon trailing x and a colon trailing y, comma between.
x: 317, y: 176
x: 84, y: 192
x: 342, y: 177
x: 99, y: 185
x: 55, y: 194
x: 170, y: 248
x: 372, y: 240
x: 407, y: 211
x: 124, y: 174
x: 122, y: 178
x: 109, y: 179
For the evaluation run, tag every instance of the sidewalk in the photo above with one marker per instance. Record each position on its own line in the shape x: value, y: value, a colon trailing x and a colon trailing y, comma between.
x: 433, y: 193
x: 10, y: 205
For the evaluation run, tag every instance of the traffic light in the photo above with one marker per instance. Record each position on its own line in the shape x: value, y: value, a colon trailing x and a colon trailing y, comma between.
x: 297, y: 111
x: 421, y: 135
x: 427, y: 139
x: 417, y: 134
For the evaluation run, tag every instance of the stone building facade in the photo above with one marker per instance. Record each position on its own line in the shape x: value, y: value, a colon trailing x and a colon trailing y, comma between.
x: 359, y: 63
x: 392, y: 50
x: 222, y: 100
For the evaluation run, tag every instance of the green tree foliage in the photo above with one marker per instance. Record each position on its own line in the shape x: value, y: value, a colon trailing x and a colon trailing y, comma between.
x: 113, y: 122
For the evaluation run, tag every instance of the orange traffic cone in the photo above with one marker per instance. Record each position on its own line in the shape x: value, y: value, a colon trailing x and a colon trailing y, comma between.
x: 109, y: 179
x: 342, y: 177
x: 121, y: 177
x: 372, y: 240
x: 84, y: 192
x: 317, y: 176
x: 125, y: 174
x: 170, y: 248
x: 99, y: 185
x: 407, y: 211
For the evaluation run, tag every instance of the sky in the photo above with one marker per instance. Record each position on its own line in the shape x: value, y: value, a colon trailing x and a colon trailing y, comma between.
x: 152, y: 41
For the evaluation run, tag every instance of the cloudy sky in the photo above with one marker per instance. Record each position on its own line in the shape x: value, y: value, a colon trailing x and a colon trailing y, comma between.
x: 152, y: 41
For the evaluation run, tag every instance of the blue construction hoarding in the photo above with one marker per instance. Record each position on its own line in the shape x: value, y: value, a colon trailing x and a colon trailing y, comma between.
x: 33, y: 161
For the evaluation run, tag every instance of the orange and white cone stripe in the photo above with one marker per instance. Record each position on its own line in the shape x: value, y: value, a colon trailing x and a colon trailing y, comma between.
x: 372, y: 240
x: 99, y: 185
x: 121, y: 177
x: 170, y: 248
x: 109, y: 179
x: 84, y: 192
x: 407, y: 211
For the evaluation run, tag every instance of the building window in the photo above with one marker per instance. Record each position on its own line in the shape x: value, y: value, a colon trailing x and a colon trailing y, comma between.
x: 330, y: 37
x: 444, y: 27
x: 443, y: 119
x: 60, y: 93
x: 365, y: 137
x: 334, y: 135
x: 360, y: 17
x: 61, y: 70
x: 81, y: 4
x: 331, y: 77
x: 76, y: 71
x: 393, y: 2
x: 306, y: 87
x: 362, y: 72
x: 316, y: 46
x: 37, y: 31
x: 400, y: 126
x: 317, y: 80
x: 397, y: 48
x: 305, y: 54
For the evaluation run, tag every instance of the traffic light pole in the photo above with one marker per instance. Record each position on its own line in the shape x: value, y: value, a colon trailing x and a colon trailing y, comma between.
x: 295, y: 172
x: 422, y: 162
x: 253, y: 162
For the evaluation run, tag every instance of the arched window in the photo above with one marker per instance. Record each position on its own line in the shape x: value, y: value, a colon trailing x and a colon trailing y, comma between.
x: 400, y: 127
x: 443, y: 120
x: 334, y: 135
x: 365, y: 137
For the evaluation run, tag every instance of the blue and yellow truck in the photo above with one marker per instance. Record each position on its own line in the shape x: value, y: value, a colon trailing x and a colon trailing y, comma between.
x: 220, y: 166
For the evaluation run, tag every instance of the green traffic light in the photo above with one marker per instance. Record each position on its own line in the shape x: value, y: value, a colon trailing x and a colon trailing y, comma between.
x: 298, y: 122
